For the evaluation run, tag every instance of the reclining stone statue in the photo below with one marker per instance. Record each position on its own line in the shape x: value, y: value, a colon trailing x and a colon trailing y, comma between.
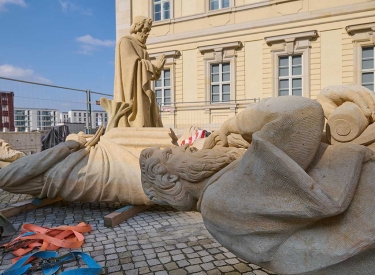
x: 291, y: 204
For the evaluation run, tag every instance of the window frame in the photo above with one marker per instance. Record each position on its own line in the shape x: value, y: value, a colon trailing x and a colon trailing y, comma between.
x: 152, y: 10
x: 230, y: 4
x: 368, y: 70
x: 362, y: 37
x: 220, y: 83
x: 163, y: 88
x: 291, y: 44
x: 290, y: 75
x: 220, y: 53
x: 170, y: 63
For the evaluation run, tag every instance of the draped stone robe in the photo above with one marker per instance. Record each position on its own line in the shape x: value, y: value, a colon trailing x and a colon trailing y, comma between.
x: 294, y: 205
x: 133, y: 73
x: 106, y: 172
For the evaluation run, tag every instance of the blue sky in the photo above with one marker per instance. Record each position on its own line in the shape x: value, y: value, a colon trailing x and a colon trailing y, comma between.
x: 60, y: 42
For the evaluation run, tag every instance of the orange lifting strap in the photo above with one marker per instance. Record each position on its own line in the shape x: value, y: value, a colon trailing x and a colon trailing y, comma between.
x: 47, y: 238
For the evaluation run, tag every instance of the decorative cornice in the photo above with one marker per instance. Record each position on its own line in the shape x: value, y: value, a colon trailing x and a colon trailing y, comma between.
x: 291, y: 37
x: 218, y: 52
x: 220, y: 47
x: 168, y: 54
x: 360, y: 28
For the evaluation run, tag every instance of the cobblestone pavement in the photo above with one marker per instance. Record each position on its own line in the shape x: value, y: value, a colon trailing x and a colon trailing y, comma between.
x: 7, y: 199
x: 158, y: 241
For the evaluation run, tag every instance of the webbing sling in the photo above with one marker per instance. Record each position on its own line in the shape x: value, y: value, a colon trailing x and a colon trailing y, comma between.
x: 51, y: 263
x: 33, y: 236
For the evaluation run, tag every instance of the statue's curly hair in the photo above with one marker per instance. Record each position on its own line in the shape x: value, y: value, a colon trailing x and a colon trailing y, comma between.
x: 139, y: 23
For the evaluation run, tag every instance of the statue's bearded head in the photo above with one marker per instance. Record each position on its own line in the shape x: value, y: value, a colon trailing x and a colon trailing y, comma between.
x: 176, y: 176
x: 141, y: 28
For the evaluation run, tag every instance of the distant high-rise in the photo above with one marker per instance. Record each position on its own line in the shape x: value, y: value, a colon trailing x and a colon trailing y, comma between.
x: 7, y: 111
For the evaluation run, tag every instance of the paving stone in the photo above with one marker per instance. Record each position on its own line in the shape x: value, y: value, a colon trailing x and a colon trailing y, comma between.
x: 183, y: 263
x: 171, y: 266
x: 153, y: 262
x: 178, y: 257
x: 226, y: 268
x: 214, y: 272
x: 207, y: 266
x: 259, y: 272
x: 178, y: 272
x: 141, y: 264
x: 193, y: 268
x: 143, y: 270
x: 157, y: 268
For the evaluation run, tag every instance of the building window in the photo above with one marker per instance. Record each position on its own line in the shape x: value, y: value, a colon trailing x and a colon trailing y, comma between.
x: 368, y: 67
x: 75, y: 114
x: 5, y: 107
x: 290, y: 75
x: 163, y: 88
x: 162, y: 10
x: 84, y: 114
x: 290, y: 57
x: 218, y: 4
x: 220, y: 82
x: 5, y: 119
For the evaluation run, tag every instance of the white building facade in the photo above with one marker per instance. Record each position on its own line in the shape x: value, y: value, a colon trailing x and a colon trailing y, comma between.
x: 80, y: 116
x: 31, y: 119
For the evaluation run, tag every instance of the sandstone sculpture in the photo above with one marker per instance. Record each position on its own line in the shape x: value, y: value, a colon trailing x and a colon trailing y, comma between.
x: 133, y: 73
x: 99, y: 168
x: 103, y: 168
x: 350, y: 114
x: 7, y: 154
x: 291, y: 204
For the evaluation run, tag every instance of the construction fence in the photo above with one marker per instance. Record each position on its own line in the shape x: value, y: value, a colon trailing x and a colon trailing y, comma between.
x: 38, y: 106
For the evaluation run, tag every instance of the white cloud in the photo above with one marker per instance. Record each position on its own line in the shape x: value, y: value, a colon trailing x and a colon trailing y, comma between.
x: 86, y: 49
x: 9, y: 2
x: 90, y: 44
x: 67, y: 6
x: 88, y: 39
x: 10, y: 71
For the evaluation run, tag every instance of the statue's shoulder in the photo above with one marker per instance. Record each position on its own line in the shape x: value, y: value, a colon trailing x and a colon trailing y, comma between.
x: 126, y: 39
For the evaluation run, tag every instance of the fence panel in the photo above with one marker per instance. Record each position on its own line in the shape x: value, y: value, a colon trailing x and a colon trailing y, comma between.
x: 38, y: 106
x: 202, y: 114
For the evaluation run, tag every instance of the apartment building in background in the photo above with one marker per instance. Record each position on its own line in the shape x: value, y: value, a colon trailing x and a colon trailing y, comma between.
x: 224, y: 52
x: 32, y: 119
x: 7, y: 111
x: 80, y: 116
x: 64, y: 117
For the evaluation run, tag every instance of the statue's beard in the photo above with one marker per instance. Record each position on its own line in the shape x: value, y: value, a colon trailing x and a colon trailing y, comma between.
x: 204, y: 163
x: 142, y: 37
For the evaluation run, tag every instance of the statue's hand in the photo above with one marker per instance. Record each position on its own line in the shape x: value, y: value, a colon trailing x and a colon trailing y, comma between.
x: 159, y: 62
x: 73, y: 145
x: 216, y: 139
x: 77, y: 138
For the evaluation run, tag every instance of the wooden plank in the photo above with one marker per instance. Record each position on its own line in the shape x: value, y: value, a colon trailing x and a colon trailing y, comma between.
x: 27, y: 205
x: 122, y: 214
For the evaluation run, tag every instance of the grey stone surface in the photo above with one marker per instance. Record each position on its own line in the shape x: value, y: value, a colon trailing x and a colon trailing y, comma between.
x: 158, y: 241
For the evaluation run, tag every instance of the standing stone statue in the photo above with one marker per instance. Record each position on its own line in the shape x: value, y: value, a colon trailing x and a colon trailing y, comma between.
x: 133, y: 73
